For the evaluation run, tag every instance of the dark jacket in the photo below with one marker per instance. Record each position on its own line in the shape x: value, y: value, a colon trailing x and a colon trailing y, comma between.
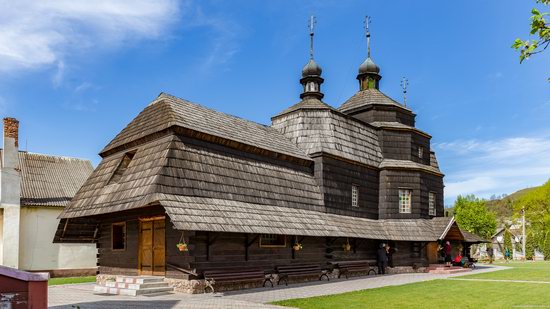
x: 381, y: 255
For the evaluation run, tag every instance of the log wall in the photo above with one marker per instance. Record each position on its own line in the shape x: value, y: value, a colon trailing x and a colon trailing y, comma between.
x: 420, y: 183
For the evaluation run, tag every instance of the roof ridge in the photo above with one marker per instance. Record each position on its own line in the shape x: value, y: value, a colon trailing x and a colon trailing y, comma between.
x: 173, y: 97
x: 51, y: 155
x: 350, y: 103
x: 167, y: 111
x: 310, y: 103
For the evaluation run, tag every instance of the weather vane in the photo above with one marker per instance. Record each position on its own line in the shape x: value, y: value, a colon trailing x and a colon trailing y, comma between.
x: 367, y: 33
x: 311, y: 26
x: 404, y: 86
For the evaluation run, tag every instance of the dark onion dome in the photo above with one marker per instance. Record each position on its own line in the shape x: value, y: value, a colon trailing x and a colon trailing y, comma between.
x: 368, y: 66
x: 311, y: 69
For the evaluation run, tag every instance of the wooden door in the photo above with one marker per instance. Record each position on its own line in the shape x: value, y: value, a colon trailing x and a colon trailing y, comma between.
x: 152, y: 247
x: 159, y: 252
x: 432, y: 253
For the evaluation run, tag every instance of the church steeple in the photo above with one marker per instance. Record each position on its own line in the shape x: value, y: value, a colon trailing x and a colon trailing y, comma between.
x: 368, y: 76
x: 311, y: 73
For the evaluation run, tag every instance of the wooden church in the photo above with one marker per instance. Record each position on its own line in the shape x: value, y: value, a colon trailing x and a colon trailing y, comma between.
x: 184, y: 190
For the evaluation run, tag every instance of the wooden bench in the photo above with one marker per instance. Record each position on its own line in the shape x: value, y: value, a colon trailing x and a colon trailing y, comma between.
x: 233, y: 275
x: 301, y: 270
x: 345, y: 267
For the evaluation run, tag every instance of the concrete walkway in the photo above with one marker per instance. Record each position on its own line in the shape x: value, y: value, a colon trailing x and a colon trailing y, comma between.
x: 81, y: 295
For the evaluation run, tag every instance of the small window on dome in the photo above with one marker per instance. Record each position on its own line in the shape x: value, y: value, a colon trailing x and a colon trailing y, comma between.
x: 371, y: 83
x: 122, y: 167
x: 311, y: 87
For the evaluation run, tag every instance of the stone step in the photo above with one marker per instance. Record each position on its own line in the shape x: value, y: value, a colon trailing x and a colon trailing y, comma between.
x: 135, y: 286
x: 139, y: 279
x: 146, y: 291
x: 101, y: 289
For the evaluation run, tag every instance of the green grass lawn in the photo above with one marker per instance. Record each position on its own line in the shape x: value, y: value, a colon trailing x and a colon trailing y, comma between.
x: 71, y: 280
x: 530, y: 271
x: 447, y: 293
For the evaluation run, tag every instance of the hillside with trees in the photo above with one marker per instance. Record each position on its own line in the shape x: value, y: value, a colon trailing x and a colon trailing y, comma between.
x: 503, y: 206
x: 481, y: 217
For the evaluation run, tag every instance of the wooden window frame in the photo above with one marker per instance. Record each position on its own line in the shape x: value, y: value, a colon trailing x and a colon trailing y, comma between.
x: 123, y: 224
x: 272, y: 246
x: 354, y: 195
x: 403, y: 210
x: 432, y: 211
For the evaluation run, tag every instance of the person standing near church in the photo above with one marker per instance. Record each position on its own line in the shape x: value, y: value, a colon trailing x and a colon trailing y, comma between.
x: 447, y: 249
x: 490, y: 253
x: 382, y: 257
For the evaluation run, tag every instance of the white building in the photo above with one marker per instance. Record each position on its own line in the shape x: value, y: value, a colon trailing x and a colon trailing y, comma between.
x: 34, y: 189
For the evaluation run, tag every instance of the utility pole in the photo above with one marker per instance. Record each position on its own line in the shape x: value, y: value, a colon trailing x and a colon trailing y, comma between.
x: 524, y: 237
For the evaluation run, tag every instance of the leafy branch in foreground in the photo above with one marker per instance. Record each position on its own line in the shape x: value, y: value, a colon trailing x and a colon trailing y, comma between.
x: 540, y: 28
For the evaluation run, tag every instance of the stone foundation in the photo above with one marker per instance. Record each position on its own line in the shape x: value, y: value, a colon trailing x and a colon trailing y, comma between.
x: 195, y: 286
x: 186, y: 286
x: 404, y: 270
x: 101, y: 279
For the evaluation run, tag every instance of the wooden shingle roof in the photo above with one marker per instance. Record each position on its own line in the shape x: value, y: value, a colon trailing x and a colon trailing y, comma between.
x: 205, y: 214
x: 398, y: 126
x: 167, y: 111
x: 331, y: 132
x: 172, y: 166
x: 406, y: 164
x: 368, y: 97
x: 307, y: 103
x: 48, y: 180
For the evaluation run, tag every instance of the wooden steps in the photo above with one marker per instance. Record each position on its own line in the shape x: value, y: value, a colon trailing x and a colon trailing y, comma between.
x: 134, y: 286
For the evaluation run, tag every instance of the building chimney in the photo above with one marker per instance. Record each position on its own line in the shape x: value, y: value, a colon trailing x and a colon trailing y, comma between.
x: 11, y: 130
x: 11, y: 148
x: 10, y: 194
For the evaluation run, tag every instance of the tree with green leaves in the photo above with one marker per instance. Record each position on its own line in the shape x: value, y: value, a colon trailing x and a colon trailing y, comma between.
x: 472, y: 215
x: 530, y: 246
x: 540, y: 28
x: 537, y: 213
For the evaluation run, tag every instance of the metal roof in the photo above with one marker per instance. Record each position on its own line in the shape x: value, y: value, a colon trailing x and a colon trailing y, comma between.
x: 48, y: 180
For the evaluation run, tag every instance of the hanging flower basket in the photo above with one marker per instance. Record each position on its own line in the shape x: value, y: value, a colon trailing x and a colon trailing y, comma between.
x: 297, y: 247
x: 182, y: 247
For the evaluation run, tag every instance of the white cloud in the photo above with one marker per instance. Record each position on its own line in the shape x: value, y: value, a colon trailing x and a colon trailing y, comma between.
x: 223, y: 43
x: 38, y: 33
x: 57, y: 78
x: 498, y: 166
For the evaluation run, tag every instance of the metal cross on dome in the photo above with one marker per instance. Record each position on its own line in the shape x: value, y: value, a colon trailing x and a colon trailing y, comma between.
x: 311, y: 26
x: 404, y: 85
x: 367, y: 33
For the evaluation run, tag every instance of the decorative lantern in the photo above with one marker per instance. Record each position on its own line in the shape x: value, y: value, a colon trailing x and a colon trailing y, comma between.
x: 347, y: 246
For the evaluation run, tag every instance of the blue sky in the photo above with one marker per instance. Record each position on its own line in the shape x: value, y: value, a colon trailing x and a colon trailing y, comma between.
x: 76, y: 72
